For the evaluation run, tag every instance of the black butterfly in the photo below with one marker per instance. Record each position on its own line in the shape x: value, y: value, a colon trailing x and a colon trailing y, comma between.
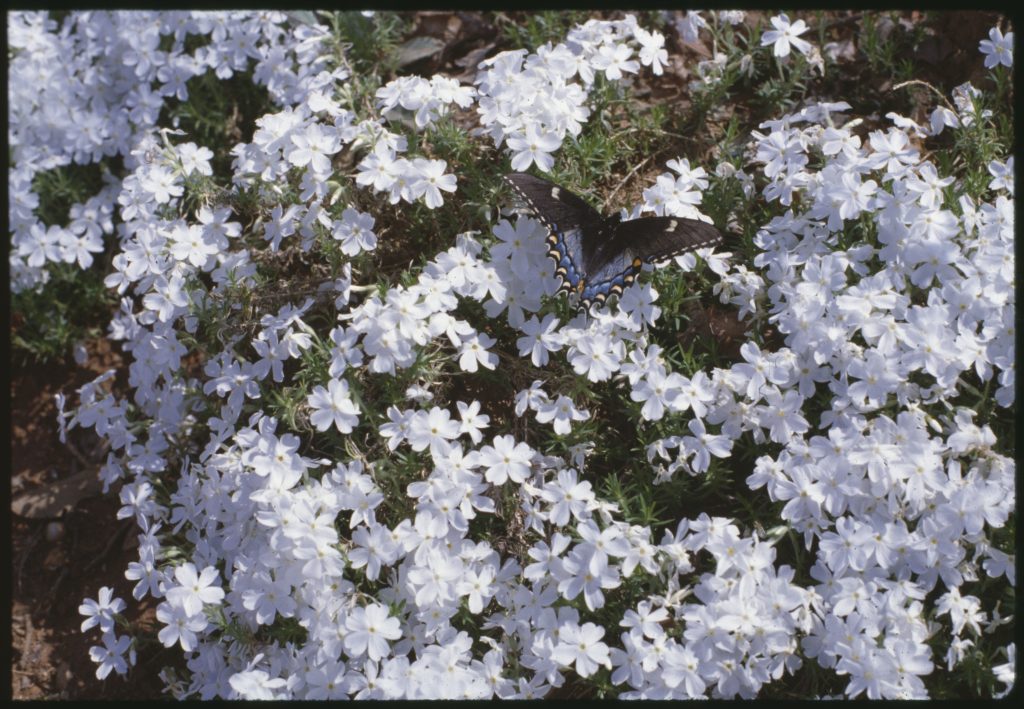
x: 597, y: 256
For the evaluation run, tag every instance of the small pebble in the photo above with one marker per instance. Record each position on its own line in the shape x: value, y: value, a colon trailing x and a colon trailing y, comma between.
x: 54, y: 531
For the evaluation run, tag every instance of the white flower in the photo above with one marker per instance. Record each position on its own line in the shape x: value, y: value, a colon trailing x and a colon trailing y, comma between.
x: 615, y: 59
x: 998, y: 49
x: 652, y: 49
x: 434, y: 428
x: 540, y: 338
x: 195, y: 590
x: 1002, y: 175
x: 596, y: 356
x: 1006, y: 673
x: 506, y: 459
x: 784, y: 35
x: 109, y: 657
x: 333, y: 406
x: 313, y: 146
x: 582, y: 645
x: 535, y: 148
x: 101, y: 612
x: 369, y: 630
x: 561, y: 411
x: 430, y: 180
x: 704, y: 445
x: 355, y: 232
x: 474, y: 352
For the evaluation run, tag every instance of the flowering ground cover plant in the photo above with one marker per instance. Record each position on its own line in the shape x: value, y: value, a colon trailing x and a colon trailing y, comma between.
x: 372, y: 453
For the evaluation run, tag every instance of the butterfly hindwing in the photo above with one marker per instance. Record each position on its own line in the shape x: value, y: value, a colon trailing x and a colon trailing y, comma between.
x: 630, y: 244
x: 597, y: 257
x: 566, y: 249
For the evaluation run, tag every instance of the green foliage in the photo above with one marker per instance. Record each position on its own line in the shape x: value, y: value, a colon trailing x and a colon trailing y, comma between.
x: 886, y: 44
x: 371, y: 43
x: 530, y: 30
x: 46, y: 323
x: 62, y: 187
x: 219, y: 113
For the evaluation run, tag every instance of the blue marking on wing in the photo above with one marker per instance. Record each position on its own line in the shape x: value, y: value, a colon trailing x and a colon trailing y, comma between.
x: 611, y: 279
x: 569, y: 256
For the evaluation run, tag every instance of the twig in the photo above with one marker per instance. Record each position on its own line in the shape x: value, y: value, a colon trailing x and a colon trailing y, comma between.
x: 919, y: 82
x: 115, y: 539
x: 25, y: 553
x: 626, y: 179
x: 51, y: 595
x: 73, y: 449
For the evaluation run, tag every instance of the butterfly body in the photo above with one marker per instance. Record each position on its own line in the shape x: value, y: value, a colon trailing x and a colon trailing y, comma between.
x: 597, y: 256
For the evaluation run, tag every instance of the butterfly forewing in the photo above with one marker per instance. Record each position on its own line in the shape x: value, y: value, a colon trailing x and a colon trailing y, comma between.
x: 656, y: 239
x: 556, y: 206
x: 561, y: 212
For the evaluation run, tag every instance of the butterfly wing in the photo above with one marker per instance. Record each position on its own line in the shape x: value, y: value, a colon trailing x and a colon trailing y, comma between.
x: 630, y: 244
x: 596, y: 257
x: 573, y: 225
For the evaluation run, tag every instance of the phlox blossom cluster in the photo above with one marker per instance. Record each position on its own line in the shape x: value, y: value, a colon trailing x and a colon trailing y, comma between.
x: 343, y: 543
x: 530, y: 102
x: 94, y: 88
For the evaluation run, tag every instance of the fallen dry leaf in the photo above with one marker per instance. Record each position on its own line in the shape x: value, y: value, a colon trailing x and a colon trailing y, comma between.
x: 51, y: 500
x: 418, y: 48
